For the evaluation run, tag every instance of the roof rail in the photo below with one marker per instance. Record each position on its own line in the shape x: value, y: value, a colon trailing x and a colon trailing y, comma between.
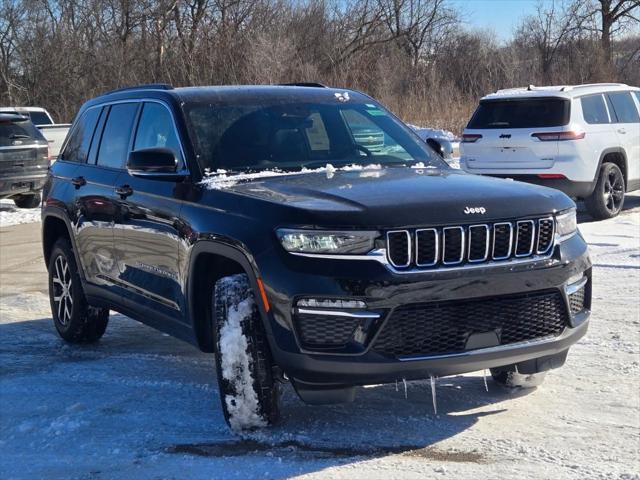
x: 586, y: 85
x: 148, y: 86
x: 303, y: 84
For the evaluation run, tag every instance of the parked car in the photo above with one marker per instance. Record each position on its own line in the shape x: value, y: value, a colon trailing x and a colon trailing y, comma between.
x: 24, y: 160
x: 581, y: 139
x: 249, y: 222
x: 55, y: 133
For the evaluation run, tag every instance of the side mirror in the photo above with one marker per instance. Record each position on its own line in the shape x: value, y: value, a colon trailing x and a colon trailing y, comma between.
x: 442, y: 147
x: 153, y: 163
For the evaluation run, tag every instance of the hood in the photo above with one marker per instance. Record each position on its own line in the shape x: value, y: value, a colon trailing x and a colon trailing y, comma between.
x: 400, y: 196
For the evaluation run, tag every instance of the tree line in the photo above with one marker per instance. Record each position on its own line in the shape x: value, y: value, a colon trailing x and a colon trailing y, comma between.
x: 419, y: 57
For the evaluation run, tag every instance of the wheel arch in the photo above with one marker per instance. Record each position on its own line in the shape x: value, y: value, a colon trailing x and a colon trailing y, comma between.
x: 210, y: 261
x: 618, y: 156
x: 56, y: 224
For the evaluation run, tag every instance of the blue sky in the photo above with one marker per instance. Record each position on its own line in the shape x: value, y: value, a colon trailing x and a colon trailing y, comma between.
x: 501, y: 16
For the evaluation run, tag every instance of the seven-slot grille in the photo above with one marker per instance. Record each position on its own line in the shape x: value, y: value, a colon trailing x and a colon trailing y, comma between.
x: 458, y: 245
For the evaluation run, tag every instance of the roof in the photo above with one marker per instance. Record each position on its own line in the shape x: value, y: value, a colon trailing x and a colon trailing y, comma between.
x: 232, y: 94
x: 21, y: 109
x: 12, y: 117
x: 562, y: 91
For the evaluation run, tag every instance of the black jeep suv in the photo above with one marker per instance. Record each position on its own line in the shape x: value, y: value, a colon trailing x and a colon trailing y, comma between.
x: 24, y: 160
x: 253, y: 223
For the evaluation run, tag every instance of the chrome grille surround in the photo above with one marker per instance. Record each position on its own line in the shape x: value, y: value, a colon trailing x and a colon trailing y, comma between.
x: 436, y: 252
x: 509, y: 248
x: 409, y: 250
x: 487, y: 233
x: 488, y: 244
x: 444, y: 245
x: 520, y: 224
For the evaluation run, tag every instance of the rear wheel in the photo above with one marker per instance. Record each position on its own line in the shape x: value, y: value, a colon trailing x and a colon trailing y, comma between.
x: 512, y: 379
x: 28, y: 201
x: 608, y: 197
x: 248, y: 390
x: 74, y: 319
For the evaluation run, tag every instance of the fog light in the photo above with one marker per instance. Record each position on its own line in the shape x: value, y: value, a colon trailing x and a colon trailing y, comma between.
x: 327, y: 303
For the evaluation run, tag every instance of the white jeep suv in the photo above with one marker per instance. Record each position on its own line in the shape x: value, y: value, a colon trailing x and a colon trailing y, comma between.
x: 582, y: 139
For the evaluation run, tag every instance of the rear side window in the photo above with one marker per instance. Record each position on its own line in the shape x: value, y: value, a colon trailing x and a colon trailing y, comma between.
x: 114, y: 144
x: 521, y: 113
x: 156, y: 130
x: 14, y: 132
x: 40, y: 118
x: 594, y: 109
x: 624, y: 107
x: 77, y: 148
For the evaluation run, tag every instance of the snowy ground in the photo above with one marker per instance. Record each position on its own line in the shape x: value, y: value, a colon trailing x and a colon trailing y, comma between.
x: 12, y: 215
x: 143, y: 405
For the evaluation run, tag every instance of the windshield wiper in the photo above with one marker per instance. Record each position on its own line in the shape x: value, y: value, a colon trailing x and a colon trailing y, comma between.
x: 14, y: 136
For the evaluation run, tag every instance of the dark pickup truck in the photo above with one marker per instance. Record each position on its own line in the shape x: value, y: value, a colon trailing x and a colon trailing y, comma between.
x: 305, y: 234
x: 24, y: 160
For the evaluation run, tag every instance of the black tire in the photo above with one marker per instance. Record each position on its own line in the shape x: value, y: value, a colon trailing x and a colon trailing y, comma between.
x: 607, y: 198
x: 248, y: 390
x: 511, y: 379
x: 28, y: 201
x: 74, y: 319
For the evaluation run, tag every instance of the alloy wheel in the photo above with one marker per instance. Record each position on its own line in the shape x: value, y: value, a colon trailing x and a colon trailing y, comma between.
x: 613, y: 190
x: 62, y: 295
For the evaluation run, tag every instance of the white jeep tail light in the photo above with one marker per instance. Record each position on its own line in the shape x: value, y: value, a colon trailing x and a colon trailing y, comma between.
x: 470, y: 137
x: 556, y: 136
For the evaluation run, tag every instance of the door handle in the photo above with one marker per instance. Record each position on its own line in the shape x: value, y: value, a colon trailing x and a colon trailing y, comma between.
x: 124, y: 191
x: 78, y: 181
x: 622, y: 130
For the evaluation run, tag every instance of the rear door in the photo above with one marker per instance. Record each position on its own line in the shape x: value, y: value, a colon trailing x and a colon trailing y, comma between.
x: 147, y: 235
x: 509, y: 133
x: 627, y: 127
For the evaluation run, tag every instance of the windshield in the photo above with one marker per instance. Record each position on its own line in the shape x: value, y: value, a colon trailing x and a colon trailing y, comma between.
x: 291, y: 135
x: 521, y: 113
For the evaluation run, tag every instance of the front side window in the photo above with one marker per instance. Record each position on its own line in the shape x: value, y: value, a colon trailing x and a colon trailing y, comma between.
x: 521, y: 113
x: 286, y: 134
x: 77, y: 148
x: 156, y: 129
x: 114, y: 145
x: 624, y: 107
x: 594, y: 110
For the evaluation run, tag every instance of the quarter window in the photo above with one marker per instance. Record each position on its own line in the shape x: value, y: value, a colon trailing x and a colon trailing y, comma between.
x: 624, y: 107
x: 77, y: 148
x: 594, y: 109
x: 114, y: 144
x: 156, y: 129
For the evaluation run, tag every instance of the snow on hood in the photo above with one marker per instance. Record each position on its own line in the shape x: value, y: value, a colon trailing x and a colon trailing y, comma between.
x: 221, y: 179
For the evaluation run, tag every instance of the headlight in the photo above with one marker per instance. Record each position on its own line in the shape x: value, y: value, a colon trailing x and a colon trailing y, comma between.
x: 319, y: 241
x: 566, y: 224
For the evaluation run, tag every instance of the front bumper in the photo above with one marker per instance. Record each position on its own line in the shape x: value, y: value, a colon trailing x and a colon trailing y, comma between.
x: 291, y: 278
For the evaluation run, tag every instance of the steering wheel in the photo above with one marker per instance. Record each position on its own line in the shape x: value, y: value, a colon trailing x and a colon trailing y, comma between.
x: 366, y: 151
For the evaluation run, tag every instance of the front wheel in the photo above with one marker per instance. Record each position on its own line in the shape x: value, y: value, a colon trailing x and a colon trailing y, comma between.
x: 248, y: 389
x: 608, y: 197
x: 74, y: 319
x: 517, y: 380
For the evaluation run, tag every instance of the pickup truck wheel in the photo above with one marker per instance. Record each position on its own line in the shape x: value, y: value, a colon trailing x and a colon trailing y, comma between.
x: 28, y: 201
x: 248, y: 389
x: 74, y: 319
x: 608, y: 197
x: 517, y: 380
